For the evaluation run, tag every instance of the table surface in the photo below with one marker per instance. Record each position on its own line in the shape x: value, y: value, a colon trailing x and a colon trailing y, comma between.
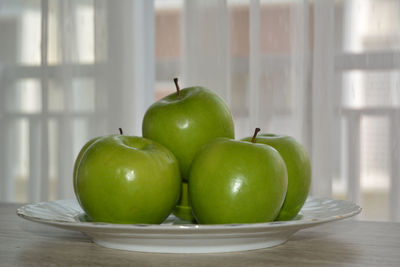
x: 347, y: 242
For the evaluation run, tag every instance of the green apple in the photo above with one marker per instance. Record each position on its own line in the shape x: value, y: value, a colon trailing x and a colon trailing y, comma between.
x: 237, y: 182
x: 185, y: 121
x: 127, y: 179
x: 79, y: 157
x: 183, y: 209
x: 299, y: 171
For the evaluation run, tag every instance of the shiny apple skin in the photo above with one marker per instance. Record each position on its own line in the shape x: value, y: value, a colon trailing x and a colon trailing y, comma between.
x: 127, y: 179
x: 78, y: 160
x: 299, y: 171
x: 184, y: 125
x: 237, y: 182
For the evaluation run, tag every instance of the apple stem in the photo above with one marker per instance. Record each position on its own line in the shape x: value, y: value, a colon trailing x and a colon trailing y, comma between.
x: 120, y: 131
x: 178, y: 91
x: 253, y: 140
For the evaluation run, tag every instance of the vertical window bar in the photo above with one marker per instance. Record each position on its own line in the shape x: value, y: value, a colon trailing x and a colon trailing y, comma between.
x: 67, y: 21
x: 3, y: 142
x: 6, y: 176
x: 395, y: 166
x: 254, y: 61
x: 354, y: 157
x: 300, y: 69
x: 143, y: 63
x: 34, y: 187
x: 44, y: 168
x: 322, y: 97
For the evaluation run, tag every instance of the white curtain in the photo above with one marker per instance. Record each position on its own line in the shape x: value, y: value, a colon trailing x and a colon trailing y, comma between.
x: 270, y: 86
x: 69, y: 71
x: 325, y: 72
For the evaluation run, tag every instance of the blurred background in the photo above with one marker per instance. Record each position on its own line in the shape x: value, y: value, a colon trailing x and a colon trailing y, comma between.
x: 326, y: 72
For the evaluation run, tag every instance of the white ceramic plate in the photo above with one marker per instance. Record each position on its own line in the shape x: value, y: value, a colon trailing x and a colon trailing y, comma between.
x: 176, y: 236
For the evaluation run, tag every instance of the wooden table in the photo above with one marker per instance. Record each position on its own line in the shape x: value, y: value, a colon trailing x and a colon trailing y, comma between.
x: 348, y: 242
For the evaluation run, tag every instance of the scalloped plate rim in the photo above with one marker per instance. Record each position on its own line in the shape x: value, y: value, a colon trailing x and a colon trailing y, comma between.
x: 77, y: 225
